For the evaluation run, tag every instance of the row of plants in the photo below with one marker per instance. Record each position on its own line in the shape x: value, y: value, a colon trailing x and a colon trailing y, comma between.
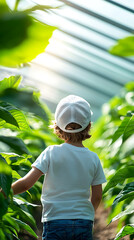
x: 24, y: 134
x: 24, y: 121
x: 113, y: 140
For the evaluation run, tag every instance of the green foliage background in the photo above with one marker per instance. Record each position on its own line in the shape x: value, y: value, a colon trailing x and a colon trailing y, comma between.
x: 25, y: 133
x: 113, y: 140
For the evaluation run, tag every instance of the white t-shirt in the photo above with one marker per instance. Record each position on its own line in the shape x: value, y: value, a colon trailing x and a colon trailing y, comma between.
x: 69, y: 173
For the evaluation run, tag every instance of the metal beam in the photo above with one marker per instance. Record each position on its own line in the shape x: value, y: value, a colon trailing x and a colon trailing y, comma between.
x: 85, y: 26
x: 98, y: 16
x: 120, y: 5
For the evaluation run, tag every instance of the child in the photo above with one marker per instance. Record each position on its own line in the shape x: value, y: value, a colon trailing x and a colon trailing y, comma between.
x: 70, y: 169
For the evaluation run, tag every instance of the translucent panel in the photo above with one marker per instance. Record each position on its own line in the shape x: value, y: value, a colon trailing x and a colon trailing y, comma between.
x: 90, y: 21
x: 86, y: 60
x: 77, y: 60
x: 114, y: 59
x: 78, y: 75
x: 79, y: 31
x: 126, y: 3
x: 108, y: 10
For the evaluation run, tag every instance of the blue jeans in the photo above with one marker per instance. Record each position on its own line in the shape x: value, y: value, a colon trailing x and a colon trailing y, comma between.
x: 75, y: 229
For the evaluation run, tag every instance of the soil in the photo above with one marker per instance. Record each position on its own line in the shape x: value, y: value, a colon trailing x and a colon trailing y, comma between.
x: 101, y: 230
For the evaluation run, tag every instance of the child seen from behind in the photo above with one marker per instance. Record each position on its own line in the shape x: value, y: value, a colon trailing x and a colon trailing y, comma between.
x: 70, y: 170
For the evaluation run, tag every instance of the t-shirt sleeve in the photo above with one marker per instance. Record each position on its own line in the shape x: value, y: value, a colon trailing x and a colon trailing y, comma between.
x: 99, y: 176
x: 42, y: 162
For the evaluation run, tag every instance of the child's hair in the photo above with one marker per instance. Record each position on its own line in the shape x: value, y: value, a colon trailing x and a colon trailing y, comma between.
x: 73, y: 137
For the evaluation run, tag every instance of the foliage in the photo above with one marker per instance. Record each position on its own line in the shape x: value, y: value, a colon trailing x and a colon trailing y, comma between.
x: 124, y: 47
x: 25, y: 37
x: 113, y: 137
x: 24, y: 134
x: 128, y: 229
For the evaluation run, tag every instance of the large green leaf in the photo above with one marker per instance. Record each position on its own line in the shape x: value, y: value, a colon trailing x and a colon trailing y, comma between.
x: 11, y: 82
x: 120, y: 175
x: 5, y: 176
x: 7, y: 116
x: 25, y: 216
x: 7, y: 219
x: 23, y: 39
x: 2, y: 234
x: 24, y: 100
x: 3, y: 205
x: 126, y: 230
x: 3, y: 7
x: 123, y: 213
x: 15, y: 143
x: 127, y: 192
x: 126, y: 129
x: 20, y: 202
x: 124, y: 47
x: 23, y: 225
x: 18, y: 120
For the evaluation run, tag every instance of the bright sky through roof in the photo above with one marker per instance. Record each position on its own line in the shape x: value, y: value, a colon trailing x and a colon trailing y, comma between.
x: 77, y: 60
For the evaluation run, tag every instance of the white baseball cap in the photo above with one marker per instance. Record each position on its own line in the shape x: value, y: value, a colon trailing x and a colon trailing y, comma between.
x: 73, y: 109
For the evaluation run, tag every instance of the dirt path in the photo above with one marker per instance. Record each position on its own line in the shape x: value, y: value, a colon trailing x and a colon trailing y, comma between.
x: 101, y: 230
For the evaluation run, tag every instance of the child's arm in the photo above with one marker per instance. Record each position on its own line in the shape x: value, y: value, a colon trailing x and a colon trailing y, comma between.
x: 23, y: 184
x: 96, y: 195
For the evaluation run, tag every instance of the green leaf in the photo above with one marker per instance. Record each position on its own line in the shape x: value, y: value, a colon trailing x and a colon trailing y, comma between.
x: 126, y: 230
x: 15, y: 175
x: 20, y: 202
x: 7, y: 116
x: 15, y: 143
x: 12, y: 158
x: 17, y: 115
x: 130, y: 210
x: 126, y: 129
x: 127, y: 192
x: 9, y: 220
x: 40, y: 7
x: 11, y: 82
x: 20, y: 43
x: 3, y: 7
x: 120, y: 175
x: 130, y: 86
x: 24, y: 100
x: 5, y: 176
x: 16, y: 4
x: 3, y: 205
x: 124, y: 47
x: 26, y: 227
x: 2, y: 235
x: 25, y: 216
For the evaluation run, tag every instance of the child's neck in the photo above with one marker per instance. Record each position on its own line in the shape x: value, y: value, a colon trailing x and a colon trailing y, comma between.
x: 77, y: 144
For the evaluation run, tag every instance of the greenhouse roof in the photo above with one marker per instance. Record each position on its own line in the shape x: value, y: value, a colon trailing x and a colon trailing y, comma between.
x: 77, y: 60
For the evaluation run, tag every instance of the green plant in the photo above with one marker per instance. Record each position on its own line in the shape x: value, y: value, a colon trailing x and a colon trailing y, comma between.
x: 113, y: 137
x: 22, y: 36
x: 124, y: 47
x: 24, y: 134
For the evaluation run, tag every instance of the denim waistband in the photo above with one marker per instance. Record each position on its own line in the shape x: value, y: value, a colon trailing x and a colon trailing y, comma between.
x: 71, y: 222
